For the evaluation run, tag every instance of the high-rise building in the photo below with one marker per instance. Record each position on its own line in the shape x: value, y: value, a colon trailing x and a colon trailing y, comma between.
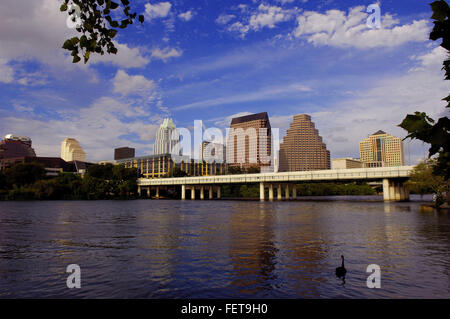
x: 212, y: 152
x: 123, y: 152
x: 381, y: 149
x: 72, y: 151
x: 249, y: 142
x: 16, y: 146
x: 167, y: 139
x: 302, y: 148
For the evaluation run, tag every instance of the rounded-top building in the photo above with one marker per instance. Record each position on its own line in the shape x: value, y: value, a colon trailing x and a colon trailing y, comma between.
x: 72, y: 151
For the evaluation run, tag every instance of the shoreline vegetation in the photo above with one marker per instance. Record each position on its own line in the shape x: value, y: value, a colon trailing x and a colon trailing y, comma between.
x: 103, y: 182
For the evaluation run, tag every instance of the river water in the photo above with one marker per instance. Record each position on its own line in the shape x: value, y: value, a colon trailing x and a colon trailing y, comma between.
x: 223, y: 249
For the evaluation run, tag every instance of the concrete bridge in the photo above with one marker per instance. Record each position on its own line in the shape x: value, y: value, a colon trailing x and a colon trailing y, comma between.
x: 393, y: 179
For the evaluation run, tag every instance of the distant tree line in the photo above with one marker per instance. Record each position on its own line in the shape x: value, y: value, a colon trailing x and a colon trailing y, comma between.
x: 304, y: 189
x: 28, y: 181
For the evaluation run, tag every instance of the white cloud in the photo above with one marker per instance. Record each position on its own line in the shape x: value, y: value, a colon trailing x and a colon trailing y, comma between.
x: 6, y: 72
x: 126, y: 57
x: 166, y: 53
x: 336, y: 28
x: 225, y: 18
x: 132, y: 84
x: 384, y: 106
x: 159, y: 10
x: 99, y: 128
x: 36, y: 30
x: 269, y: 16
x: 262, y: 94
x: 264, y: 16
x: 187, y: 16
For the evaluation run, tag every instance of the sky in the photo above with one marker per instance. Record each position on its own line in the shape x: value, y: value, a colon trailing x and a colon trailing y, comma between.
x: 214, y: 60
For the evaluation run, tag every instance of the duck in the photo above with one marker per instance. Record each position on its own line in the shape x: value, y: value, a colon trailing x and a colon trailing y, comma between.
x: 341, y: 271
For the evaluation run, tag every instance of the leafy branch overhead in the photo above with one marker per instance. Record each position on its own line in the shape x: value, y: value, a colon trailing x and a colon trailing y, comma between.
x: 419, y: 125
x: 95, y: 21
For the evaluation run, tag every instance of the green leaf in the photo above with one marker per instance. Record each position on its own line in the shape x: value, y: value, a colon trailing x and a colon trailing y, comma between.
x: 63, y: 7
x: 76, y: 59
x: 86, y: 56
x: 114, y: 5
x: 440, y: 10
x: 112, y: 33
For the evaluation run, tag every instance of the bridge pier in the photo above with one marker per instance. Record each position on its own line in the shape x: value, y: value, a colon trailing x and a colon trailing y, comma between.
x: 183, y: 192
x: 286, y: 192
x: 271, y: 192
x: 294, y: 191
x: 202, y: 192
x: 218, y: 192
x: 261, y: 192
x: 193, y: 192
x: 279, y: 196
x: 157, y: 192
x: 394, y: 191
x: 210, y: 192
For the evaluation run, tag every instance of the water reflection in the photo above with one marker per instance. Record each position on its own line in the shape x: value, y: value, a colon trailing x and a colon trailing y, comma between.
x: 213, y: 249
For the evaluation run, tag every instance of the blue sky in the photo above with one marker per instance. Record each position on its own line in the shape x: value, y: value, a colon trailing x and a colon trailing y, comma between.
x: 213, y: 60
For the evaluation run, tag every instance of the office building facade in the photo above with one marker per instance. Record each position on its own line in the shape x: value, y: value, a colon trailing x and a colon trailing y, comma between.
x: 124, y: 152
x: 302, y: 148
x: 382, y: 150
x: 346, y: 163
x: 16, y: 146
x: 158, y: 166
x: 212, y: 152
x: 249, y: 142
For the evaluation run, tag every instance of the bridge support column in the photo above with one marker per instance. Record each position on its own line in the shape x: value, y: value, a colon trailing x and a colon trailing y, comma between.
x: 294, y: 191
x: 193, y: 193
x: 286, y: 192
x: 139, y: 190
x: 279, y: 192
x: 202, y: 192
x: 183, y: 192
x: 218, y: 192
x: 210, y: 192
x: 149, y: 192
x: 157, y: 192
x: 271, y: 192
x: 394, y: 191
x: 261, y: 192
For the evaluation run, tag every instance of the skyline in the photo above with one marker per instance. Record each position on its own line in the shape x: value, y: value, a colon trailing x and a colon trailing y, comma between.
x: 261, y: 60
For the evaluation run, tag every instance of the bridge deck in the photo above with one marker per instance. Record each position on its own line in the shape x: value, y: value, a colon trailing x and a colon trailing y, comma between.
x: 305, y: 176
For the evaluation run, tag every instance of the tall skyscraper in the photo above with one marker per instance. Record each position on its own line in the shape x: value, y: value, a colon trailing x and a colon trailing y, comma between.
x: 167, y: 138
x: 123, y: 153
x: 302, y: 148
x: 72, y: 151
x: 249, y: 142
x: 16, y: 146
x: 381, y: 149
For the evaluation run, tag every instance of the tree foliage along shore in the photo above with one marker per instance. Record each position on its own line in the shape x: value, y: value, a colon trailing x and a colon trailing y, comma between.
x: 97, y: 22
x: 29, y: 182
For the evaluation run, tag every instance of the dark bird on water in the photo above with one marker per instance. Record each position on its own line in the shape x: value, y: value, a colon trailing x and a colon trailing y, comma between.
x: 341, y: 271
